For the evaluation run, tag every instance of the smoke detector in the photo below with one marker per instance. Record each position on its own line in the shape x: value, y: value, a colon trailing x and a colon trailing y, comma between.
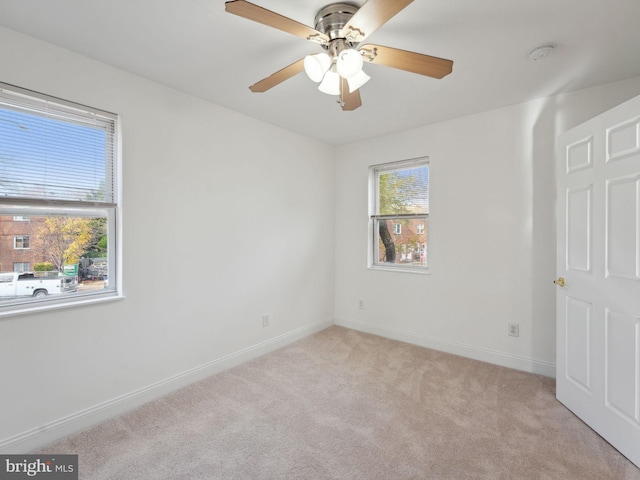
x: 540, y: 53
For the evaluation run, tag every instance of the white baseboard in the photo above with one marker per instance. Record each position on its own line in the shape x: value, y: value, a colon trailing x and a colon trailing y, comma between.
x: 42, y: 435
x: 548, y: 369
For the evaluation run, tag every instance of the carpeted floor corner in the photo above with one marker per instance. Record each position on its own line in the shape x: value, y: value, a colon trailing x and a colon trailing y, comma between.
x: 346, y: 405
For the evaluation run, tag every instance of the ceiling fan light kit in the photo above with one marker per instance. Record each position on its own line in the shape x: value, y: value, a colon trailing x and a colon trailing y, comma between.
x: 340, y: 28
x: 316, y: 66
x: 349, y: 63
x: 358, y: 80
x: 330, y: 83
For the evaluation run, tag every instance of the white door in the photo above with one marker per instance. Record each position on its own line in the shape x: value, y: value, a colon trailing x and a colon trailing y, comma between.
x: 598, y: 308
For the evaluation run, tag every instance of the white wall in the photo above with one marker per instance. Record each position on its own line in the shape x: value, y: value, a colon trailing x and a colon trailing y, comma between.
x: 491, y: 232
x: 225, y: 218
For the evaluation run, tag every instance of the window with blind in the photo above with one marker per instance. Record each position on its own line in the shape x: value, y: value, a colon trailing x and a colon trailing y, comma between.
x: 398, y: 215
x: 58, y: 170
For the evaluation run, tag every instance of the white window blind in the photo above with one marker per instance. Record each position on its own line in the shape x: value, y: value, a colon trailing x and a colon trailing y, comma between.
x: 400, y: 188
x: 54, y: 151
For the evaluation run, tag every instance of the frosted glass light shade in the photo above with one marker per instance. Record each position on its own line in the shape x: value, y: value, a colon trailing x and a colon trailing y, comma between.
x: 316, y: 65
x: 330, y: 83
x: 357, y: 81
x: 349, y: 63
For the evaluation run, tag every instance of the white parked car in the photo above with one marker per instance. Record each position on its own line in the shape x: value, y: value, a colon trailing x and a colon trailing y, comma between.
x: 16, y: 284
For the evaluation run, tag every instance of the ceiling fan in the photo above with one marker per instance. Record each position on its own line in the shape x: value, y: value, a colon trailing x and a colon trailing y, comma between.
x: 340, y: 29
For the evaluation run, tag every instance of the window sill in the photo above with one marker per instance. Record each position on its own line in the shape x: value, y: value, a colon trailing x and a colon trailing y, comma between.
x: 24, y: 309
x: 417, y: 271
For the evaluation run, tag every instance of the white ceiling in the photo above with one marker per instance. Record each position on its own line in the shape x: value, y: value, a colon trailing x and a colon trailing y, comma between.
x: 196, y: 47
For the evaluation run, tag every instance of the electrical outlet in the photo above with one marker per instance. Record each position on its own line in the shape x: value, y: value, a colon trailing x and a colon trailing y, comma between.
x: 266, y: 320
x: 361, y: 304
x: 514, y: 329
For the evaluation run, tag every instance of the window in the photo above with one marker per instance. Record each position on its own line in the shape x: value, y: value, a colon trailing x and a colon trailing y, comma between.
x: 21, y: 242
x: 21, y: 267
x: 398, y: 215
x: 58, y: 171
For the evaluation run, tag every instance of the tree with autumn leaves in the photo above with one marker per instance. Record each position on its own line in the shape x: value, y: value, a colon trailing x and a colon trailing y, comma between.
x: 66, y: 239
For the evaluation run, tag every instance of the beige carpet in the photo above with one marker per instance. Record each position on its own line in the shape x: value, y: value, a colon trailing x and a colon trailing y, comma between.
x: 347, y: 405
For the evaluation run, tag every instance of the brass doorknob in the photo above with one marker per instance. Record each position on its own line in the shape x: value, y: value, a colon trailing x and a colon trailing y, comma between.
x: 559, y: 282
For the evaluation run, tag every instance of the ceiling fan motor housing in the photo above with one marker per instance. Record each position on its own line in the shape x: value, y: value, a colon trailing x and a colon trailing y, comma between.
x: 331, y: 19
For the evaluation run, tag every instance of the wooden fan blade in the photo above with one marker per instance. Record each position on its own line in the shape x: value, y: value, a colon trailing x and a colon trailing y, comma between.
x: 350, y: 100
x: 278, y: 77
x: 410, y: 61
x: 372, y: 15
x: 267, y: 17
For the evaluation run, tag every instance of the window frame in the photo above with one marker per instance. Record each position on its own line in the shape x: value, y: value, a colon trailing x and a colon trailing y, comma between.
x: 22, y: 270
x: 375, y: 217
x: 22, y: 238
x: 109, y: 207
